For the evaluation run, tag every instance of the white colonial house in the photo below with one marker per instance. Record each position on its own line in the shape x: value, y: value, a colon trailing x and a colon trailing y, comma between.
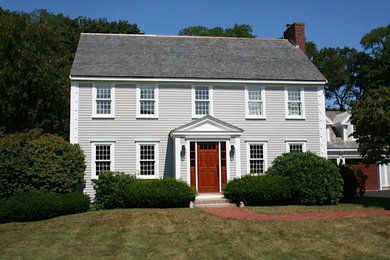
x: 201, y: 109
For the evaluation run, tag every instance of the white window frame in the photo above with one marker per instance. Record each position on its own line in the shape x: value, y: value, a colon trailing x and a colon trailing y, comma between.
x: 210, y: 100
x: 265, y: 155
x: 301, y: 89
x: 93, y: 156
x: 247, y: 115
x: 94, y: 93
x: 296, y: 142
x: 156, y: 113
x: 156, y: 158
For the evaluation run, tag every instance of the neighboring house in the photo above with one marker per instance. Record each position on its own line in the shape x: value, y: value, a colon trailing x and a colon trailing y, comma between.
x: 343, y: 148
x: 201, y: 109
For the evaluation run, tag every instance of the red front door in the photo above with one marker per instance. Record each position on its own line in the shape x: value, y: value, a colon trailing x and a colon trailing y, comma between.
x: 208, y: 167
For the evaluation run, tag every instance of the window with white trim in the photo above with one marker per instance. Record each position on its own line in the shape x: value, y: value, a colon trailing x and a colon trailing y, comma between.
x: 296, y: 147
x: 202, y: 101
x: 147, y: 159
x: 103, y: 100
x: 256, y: 155
x: 103, y: 155
x: 254, y: 99
x: 295, y: 106
x: 147, y: 100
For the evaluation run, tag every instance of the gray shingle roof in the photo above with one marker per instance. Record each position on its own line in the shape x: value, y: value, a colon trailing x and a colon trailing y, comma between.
x: 147, y: 56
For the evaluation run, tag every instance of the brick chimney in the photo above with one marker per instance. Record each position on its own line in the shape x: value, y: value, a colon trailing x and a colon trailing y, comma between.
x: 295, y: 33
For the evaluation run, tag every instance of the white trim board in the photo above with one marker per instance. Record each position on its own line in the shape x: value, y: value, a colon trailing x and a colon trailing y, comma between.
x: 206, y: 81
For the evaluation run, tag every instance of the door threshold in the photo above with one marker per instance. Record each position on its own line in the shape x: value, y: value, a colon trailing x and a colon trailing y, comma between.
x: 210, y: 195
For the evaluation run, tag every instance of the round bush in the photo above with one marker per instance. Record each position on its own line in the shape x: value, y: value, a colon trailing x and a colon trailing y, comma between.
x: 111, y: 188
x: 160, y: 193
x: 350, y: 184
x: 313, y: 180
x: 258, y: 190
x: 36, y: 161
x: 31, y: 206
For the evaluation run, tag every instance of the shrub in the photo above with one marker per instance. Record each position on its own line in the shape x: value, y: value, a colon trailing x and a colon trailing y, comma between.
x: 313, y: 180
x: 350, y: 184
x: 37, y: 161
x: 31, y: 206
x: 361, y: 182
x: 258, y: 190
x: 160, y: 193
x: 110, y: 189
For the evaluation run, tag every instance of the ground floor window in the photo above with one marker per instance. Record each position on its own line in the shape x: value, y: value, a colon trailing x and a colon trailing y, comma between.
x: 103, y: 154
x: 295, y: 147
x: 147, y: 159
x: 256, y: 157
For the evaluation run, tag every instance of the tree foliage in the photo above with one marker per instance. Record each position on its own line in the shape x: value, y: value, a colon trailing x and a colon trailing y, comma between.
x: 36, y: 53
x: 238, y: 30
x: 371, y: 116
x: 341, y: 67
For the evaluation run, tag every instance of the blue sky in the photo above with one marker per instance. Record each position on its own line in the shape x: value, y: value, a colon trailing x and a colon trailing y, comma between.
x: 334, y: 23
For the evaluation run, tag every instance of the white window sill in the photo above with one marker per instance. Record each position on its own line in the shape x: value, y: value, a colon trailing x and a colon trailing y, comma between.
x: 255, y: 118
x: 103, y: 117
x: 147, y: 117
x: 295, y: 118
x: 147, y: 177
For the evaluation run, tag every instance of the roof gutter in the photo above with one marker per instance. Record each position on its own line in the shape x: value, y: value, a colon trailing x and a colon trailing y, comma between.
x: 175, y: 80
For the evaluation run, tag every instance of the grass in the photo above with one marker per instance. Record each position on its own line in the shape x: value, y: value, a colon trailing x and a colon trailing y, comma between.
x: 194, y: 234
x: 365, y: 203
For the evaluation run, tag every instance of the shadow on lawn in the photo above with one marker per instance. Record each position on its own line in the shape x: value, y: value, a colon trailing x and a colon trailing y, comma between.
x: 369, y: 202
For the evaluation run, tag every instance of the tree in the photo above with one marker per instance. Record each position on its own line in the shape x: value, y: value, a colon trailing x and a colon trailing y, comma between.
x: 36, y: 53
x: 340, y: 66
x: 239, y: 30
x: 376, y: 71
x: 371, y: 116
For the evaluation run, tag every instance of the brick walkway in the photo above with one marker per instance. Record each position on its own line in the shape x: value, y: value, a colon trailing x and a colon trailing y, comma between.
x: 241, y: 213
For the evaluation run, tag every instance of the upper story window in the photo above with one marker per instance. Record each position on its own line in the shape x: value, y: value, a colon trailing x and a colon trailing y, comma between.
x: 147, y: 101
x: 256, y: 157
x: 202, y: 101
x: 255, y: 105
x: 103, y: 100
x: 295, y: 105
x: 147, y: 159
x: 103, y: 155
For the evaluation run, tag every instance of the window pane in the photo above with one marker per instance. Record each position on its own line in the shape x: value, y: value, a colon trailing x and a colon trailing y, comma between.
x: 202, y: 92
x: 294, y: 108
x: 296, y: 148
x: 254, y: 108
x: 147, y: 93
x: 256, y: 151
x: 103, y: 107
x: 147, y: 107
x: 146, y: 168
x: 254, y: 94
x: 294, y: 94
x: 102, y: 167
x: 147, y: 159
x: 103, y: 92
x: 256, y: 166
x: 201, y: 107
x: 147, y: 152
x: 103, y: 152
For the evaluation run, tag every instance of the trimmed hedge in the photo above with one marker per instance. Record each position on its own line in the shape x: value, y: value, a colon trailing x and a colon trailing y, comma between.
x: 258, y: 190
x: 35, y: 161
x: 159, y: 193
x: 313, y: 180
x: 111, y: 188
x: 32, y: 206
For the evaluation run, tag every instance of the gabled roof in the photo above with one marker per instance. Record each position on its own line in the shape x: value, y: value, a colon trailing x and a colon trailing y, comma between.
x: 207, y: 124
x: 189, y: 57
x: 338, y: 117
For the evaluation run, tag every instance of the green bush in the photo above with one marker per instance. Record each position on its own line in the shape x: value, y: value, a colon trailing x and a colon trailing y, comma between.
x: 32, y: 206
x: 313, y: 180
x: 111, y: 188
x: 258, y: 190
x: 36, y: 161
x: 160, y: 193
x: 350, y: 184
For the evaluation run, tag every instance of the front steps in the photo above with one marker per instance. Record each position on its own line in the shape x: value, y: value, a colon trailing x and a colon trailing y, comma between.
x: 212, y: 200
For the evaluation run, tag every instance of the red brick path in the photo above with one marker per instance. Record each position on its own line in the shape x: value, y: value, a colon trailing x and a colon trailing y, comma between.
x: 241, y: 213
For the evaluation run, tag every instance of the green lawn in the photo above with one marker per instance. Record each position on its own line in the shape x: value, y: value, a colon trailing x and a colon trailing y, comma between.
x: 194, y: 234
